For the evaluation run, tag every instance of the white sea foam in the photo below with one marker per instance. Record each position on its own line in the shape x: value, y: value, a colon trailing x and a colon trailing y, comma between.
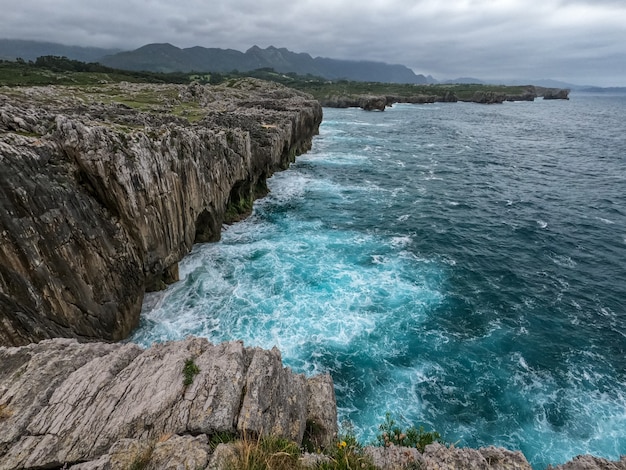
x: 563, y: 261
x: 401, y: 241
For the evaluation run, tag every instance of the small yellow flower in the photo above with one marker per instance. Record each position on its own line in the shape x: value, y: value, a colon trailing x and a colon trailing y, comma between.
x: 342, y: 445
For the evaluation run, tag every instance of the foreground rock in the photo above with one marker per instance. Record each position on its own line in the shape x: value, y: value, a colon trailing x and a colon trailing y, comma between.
x: 65, y: 403
x: 104, y: 189
x: 588, y: 462
x: 437, y: 456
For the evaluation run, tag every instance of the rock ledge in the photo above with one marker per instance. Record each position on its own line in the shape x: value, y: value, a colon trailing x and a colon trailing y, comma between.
x: 65, y: 403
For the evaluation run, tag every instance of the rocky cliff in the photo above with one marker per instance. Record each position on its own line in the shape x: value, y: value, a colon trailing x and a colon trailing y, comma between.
x: 104, y: 189
x: 63, y: 403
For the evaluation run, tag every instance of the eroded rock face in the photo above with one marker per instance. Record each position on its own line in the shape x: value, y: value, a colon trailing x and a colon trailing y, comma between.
x: 99, y: 200
x: 63, y: 402
x: 556, y: 94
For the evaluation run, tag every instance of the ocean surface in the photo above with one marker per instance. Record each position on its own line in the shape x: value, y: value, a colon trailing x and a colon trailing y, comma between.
x: 461, y: 266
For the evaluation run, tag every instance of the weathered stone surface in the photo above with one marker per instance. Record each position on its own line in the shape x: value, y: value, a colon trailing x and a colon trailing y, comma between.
x: 180, y: 452
x: 321, y: 412
x: 267, y: 386
x: 62, y: 402
x: 588, y: 462
x: 222, y: 457
x: 556, y: 94
x: 393, y: 457
x: 99, y: 201
x: 437, y: 456
x: 373, y: 103
x: 103, y: 463
x: 488, y: 97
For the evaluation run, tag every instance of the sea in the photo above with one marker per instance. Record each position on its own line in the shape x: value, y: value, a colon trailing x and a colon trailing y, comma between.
x: 459, y: 266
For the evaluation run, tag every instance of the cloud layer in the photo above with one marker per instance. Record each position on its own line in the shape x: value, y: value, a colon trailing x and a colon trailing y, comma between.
x: 579, y: 41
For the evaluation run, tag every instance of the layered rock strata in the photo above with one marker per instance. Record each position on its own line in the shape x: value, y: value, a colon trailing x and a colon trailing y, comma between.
x: 104, y: 189
x: 65, y: 403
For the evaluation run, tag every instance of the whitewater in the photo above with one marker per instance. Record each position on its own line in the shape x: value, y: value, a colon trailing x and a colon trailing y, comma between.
x: 460, y: 266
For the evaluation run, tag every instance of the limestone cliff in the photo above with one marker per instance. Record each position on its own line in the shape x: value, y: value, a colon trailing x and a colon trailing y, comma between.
x: 104, y: 189
x: 64, y: 403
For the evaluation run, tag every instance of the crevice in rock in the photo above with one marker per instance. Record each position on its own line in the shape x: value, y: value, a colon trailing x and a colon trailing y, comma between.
x: 207, y: 227
x: 86, y: 182
x: 240, y: 201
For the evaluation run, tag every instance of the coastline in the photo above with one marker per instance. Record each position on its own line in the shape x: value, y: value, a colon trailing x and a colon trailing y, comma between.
x: 235, y: 203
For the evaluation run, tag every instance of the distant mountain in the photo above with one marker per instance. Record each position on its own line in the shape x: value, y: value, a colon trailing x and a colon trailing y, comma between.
x: 11, y: 49
x: 595, y: 89
x: 168, y: 58
x: 544, y: 82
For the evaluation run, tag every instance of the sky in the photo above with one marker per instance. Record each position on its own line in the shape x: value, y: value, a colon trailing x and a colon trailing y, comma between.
x: 576, y: 41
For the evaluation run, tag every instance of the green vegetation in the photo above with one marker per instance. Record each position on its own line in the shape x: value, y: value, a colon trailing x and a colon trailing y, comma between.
x: 348, y: 453
x: 265, y: 453
x: 275, y: 453
x: 238, y: 209
x: 52, y: 70
x: 221, y: 438
x: 391, y: 433
x: 141, y: 461
x: 190, y: 370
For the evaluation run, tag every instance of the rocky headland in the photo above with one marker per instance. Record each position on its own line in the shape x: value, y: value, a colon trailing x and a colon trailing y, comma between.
x: 376, y: 102
x: 104, y: 189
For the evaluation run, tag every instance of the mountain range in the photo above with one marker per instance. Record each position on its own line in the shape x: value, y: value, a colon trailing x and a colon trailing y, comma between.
x: 11, y: 49
x: 168, y: 58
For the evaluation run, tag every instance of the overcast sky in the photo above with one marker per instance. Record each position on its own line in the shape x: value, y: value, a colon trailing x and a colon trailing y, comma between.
x: 577, y: 41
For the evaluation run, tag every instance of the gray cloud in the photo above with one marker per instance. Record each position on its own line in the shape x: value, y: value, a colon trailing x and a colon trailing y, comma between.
x: 580, y: 41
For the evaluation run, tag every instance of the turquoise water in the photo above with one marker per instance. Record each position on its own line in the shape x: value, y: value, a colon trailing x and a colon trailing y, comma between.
x: 461, y: 266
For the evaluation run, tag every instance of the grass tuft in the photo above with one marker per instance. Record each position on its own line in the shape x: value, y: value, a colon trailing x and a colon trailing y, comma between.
x: 190, y: 370
x: 392, y: 434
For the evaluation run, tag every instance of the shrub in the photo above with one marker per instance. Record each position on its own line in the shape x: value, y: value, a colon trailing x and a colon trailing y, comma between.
x: 266, y: 453
x: 190, y: 370
x: 391, y: 433
x: 348, y: 453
